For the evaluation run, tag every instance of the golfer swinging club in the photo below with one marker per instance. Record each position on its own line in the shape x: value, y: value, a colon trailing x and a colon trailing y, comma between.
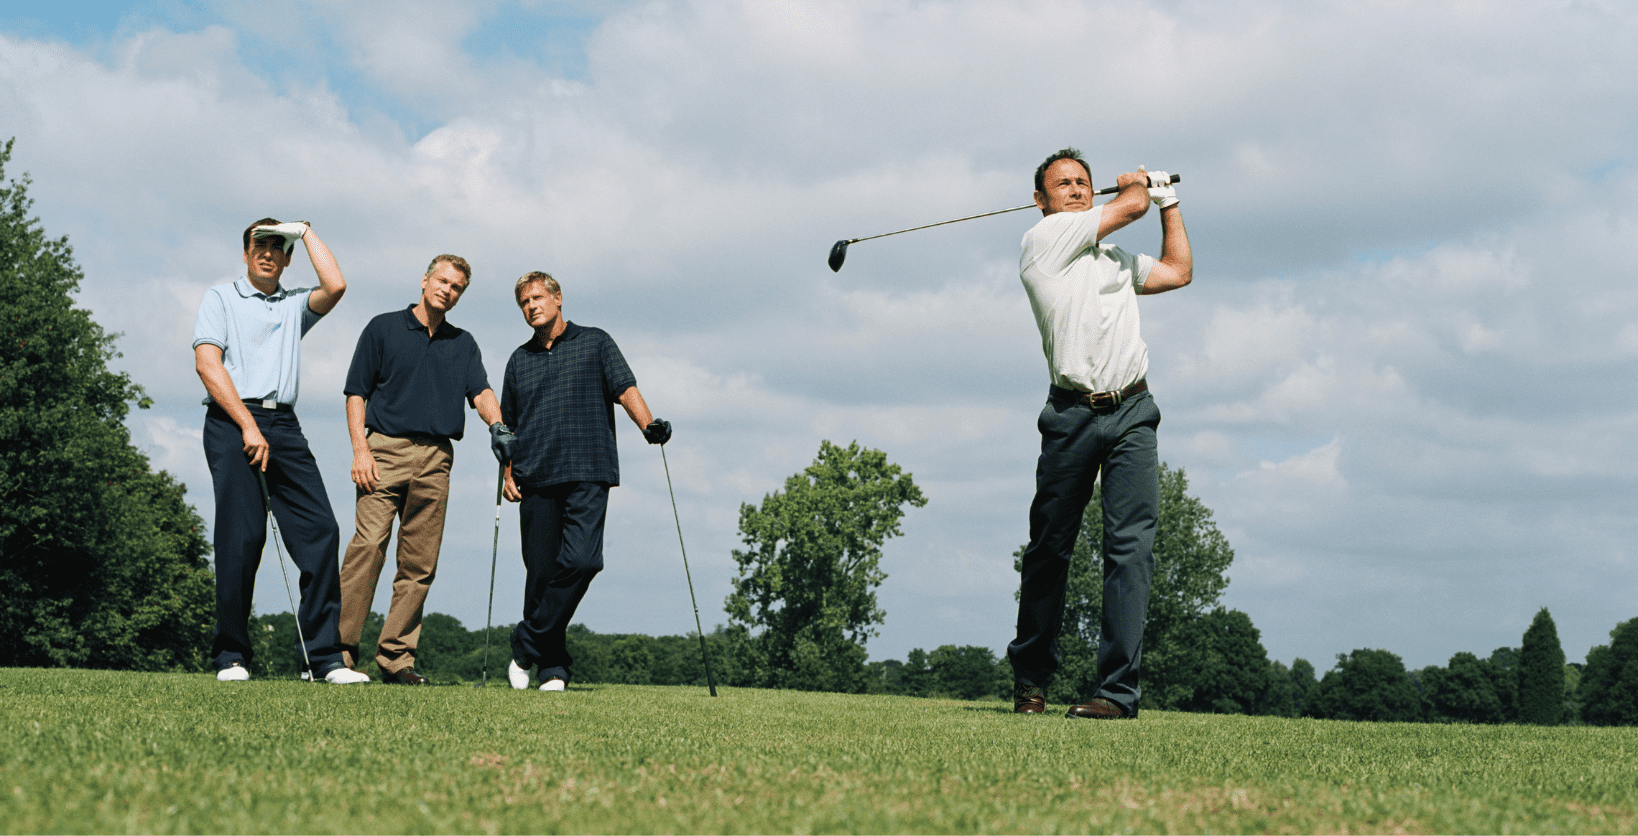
x: 1099, y: 419
x: 558, y: 397
x: 247, y: 350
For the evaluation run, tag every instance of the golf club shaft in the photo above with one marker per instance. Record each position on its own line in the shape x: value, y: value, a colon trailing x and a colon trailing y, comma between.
x: 1101, y: 192
x: 710, y: 680
x: 278, y: 546
x: 494, y: 553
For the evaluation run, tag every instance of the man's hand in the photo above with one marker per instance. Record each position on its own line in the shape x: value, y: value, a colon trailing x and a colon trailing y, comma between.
x: 256, y: 447
x: 657, y: 431
x: 290, y: 232
x: 1161, y: 191
x: 365, y: 473
x: 501, y: 440
x: 510, y: 490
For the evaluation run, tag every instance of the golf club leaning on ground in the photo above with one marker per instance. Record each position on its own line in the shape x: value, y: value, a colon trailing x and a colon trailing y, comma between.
x: 278, y: 545
x: 838, y: 251
x: 710, y: 680
x: 494, y: 552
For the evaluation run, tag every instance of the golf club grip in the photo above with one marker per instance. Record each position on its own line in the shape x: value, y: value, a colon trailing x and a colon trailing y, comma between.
x: 1176, y: 178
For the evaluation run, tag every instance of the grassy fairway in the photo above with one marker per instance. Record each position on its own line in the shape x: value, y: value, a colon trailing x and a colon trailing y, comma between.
x: 88, y: 751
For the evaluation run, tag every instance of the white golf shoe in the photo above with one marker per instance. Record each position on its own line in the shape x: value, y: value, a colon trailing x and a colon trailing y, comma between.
x: 553, y: 684
x: 346, y: 676
x: 516, y: 675
x: 233, y: 673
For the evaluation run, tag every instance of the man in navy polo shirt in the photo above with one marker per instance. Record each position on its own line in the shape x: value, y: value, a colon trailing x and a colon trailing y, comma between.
x: 247, y: 350
x: 559, y: 395
x: 411, y: 375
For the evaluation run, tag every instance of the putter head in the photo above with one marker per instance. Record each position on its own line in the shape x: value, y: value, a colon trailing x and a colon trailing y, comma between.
x: 838, y: 254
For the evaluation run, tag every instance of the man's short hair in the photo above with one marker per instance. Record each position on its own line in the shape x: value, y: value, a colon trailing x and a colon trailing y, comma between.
x: 454, y: 261
x: 1066, y: 154
x: 530, y: 278
x: 262, y: 222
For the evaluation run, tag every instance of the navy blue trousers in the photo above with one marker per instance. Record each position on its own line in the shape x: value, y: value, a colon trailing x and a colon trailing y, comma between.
x: 562, y: 527
x: 307, y: 524
x: 1077, y: 444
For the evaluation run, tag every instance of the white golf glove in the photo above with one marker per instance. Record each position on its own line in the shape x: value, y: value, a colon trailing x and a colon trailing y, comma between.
x: 290, y: 232
x: 1161, y: 191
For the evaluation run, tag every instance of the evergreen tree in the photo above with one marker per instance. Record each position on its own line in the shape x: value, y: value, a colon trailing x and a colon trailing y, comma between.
x: 1541, y: 673
x: 808, y: 577
x: 102, y: 562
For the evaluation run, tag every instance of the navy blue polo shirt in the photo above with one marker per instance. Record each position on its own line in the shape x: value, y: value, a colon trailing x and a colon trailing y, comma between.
x: 560, y: 402
x: 412, y: 385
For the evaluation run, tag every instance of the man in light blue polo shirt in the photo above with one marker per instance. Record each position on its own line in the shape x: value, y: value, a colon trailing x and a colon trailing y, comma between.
x: 247, y: 350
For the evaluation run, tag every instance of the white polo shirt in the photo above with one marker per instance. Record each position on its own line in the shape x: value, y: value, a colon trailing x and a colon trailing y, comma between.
x: 1085, y: 300
x: 260, y: 336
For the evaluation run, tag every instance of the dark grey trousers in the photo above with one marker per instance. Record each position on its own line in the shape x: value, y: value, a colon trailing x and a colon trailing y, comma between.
x: 1077, y: 443
x: 562, y: 528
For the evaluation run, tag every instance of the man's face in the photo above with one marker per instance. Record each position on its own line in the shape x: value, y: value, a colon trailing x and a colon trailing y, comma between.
x: 1068, y: 188
x: 540, y: 308
x: 266, y: 259
x: 442, y: 288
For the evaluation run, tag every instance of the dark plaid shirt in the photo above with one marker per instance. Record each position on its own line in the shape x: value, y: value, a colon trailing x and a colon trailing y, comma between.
x: 560, y: 402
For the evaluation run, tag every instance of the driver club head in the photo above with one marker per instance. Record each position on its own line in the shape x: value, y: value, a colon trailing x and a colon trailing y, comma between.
x: 838, y: 254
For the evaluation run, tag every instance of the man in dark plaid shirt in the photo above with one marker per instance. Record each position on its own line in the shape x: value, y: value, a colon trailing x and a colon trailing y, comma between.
x: 558, y: 397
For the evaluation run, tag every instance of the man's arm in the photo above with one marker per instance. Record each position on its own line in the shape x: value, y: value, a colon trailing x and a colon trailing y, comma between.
x: 636, y: 407
x: 365, y: 473
x: 331, y: 283
x: 1175, y: 267
x: 488, y: 407
x: 207, y: 361
x: 1127, y: 206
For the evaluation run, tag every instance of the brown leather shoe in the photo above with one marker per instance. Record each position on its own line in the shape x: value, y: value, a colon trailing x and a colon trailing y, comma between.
x: 1028, y: 699
x: 1099, y: 708
x: 405, y: 676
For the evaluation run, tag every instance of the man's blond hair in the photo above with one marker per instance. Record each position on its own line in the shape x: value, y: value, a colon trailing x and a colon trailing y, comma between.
x: 454, y: 261
x: 532, y: 277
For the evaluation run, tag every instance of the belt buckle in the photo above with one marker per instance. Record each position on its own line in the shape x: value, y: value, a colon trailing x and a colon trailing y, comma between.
x: 271, y: 404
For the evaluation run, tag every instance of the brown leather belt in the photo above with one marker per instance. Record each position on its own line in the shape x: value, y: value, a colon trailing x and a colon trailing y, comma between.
x: 1111, y: 398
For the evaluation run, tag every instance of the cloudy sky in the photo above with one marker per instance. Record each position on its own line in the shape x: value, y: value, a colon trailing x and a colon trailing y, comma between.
x: 1402, y: 378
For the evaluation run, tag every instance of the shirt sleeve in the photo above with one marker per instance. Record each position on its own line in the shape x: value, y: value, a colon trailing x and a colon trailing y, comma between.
x: 477, y: 379
x: 1142, y: 265
x: 366, y: 365
x: 1058, y: 239
x: 211, y: 324
x: 309, y: 317
x: 617, y: 376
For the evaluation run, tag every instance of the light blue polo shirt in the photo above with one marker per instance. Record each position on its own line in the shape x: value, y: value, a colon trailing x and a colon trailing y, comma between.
x: 260, y: 336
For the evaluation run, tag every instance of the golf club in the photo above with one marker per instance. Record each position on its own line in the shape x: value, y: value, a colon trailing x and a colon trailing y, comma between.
x: 489, y: 620
x: 710, y: 680
x: 838, y: 252
x: 301, y: 641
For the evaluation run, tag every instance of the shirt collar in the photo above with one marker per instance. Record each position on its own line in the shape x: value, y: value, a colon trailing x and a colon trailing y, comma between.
x: 413, y: 324
x: 247, y: 290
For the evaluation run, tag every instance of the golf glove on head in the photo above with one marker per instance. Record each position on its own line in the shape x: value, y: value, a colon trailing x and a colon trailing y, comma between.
x: 290, y: 232
x: 501, y: 440
x: 657, y: 432
x: 1161, y: 191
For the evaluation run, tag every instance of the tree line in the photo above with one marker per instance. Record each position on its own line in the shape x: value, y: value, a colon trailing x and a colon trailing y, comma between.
x: 103, y: 564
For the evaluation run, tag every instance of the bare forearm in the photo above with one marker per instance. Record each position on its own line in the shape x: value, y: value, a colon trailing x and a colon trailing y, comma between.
x: 219, y: 385
x: 636, y: 407
x: 1129, y: 205
x: 1174, y: 243
x: 488, y: 407
x: 331, y: 283
x: 355, y: 426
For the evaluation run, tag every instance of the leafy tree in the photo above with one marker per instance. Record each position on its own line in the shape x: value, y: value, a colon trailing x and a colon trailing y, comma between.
x: 1280, y: 699
x: 1505, y: 662
x: 808, y: 577
x: 1191, y: 556
x: 1609, y: 680
x: 1303, y: 684
x: 1465, y: 691
x: 1366, y: 685
x: 1541, y: 673
x: 1225, y: 669
x: 102, y: 562
x: 968, y: 672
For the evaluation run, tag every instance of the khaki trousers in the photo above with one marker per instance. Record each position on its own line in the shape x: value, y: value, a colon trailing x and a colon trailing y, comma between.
x: 414, y: 486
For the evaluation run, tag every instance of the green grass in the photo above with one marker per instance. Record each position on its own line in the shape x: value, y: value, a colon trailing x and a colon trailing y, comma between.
x: 92, y: 751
